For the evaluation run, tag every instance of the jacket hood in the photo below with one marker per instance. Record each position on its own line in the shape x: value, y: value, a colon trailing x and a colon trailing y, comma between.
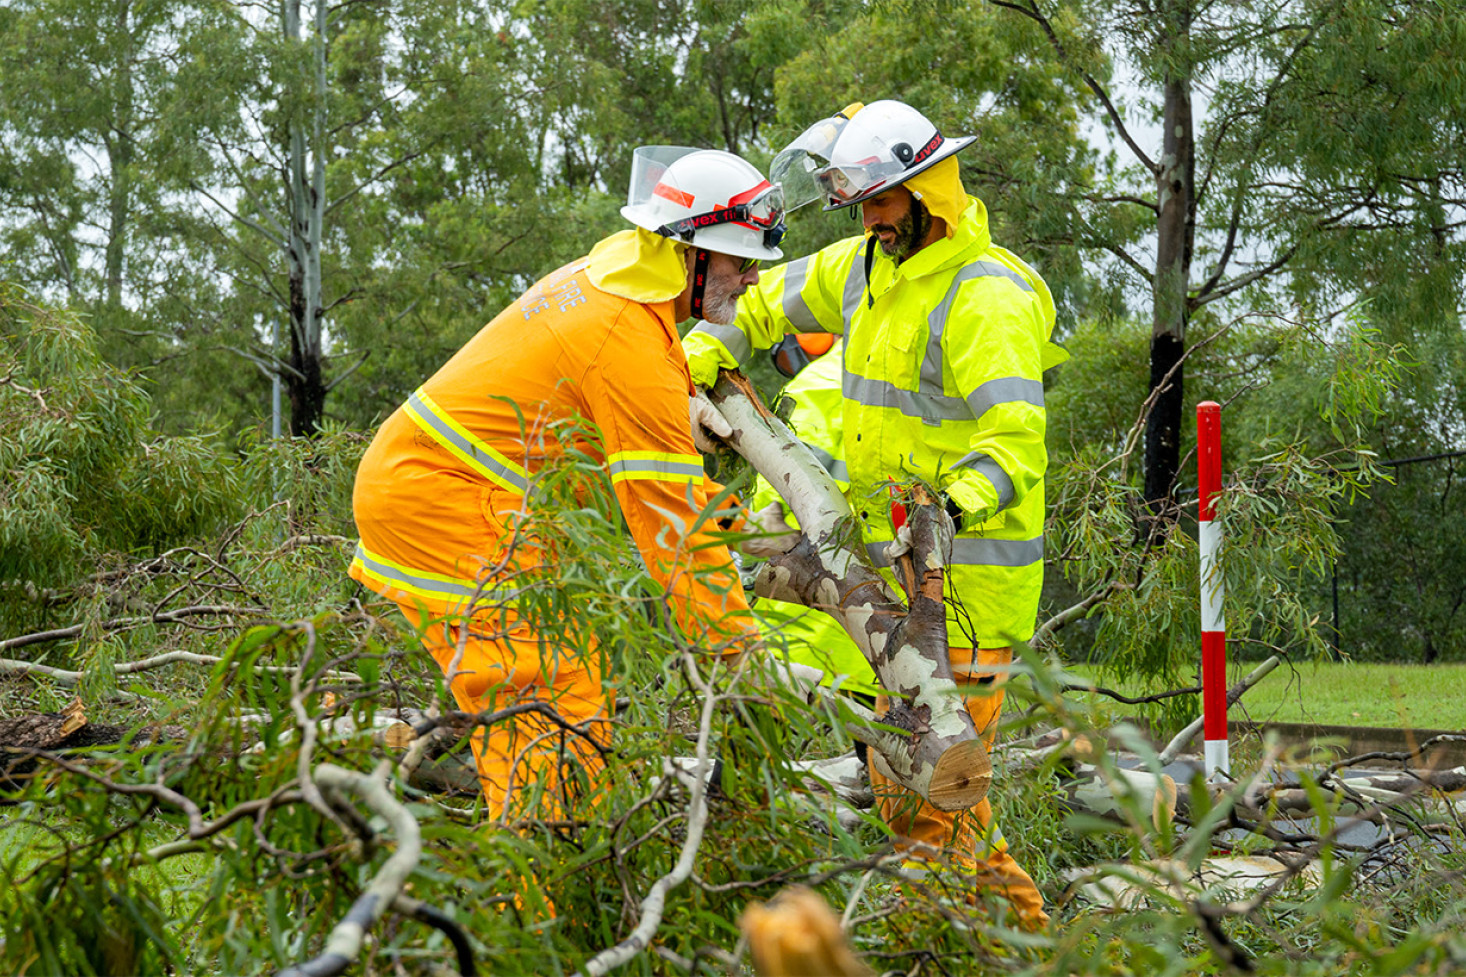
x: 638, y: 265
x: 940, y: 191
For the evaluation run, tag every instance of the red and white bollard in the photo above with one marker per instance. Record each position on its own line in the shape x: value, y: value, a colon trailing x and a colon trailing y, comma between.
x: 1213, y: 624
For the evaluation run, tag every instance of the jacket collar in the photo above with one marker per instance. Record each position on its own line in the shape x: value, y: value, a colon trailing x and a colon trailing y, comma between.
x: 972, y: 237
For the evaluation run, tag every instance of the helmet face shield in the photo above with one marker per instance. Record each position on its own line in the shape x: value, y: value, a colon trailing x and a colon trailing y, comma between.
x: 796, y: 167
x: 648, y: 163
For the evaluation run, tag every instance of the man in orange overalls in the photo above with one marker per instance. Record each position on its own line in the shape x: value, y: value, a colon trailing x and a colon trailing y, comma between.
x: 446, y: 490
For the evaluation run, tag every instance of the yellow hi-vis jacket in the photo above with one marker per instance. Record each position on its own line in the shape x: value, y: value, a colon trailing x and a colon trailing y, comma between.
x: 810, y: 635
x: 943, y: 365
x: 439, y: 491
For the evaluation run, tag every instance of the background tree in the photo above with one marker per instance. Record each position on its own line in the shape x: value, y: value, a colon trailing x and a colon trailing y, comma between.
x: 81, y: 473
x: 1314, y: 172
x: 96, y: 99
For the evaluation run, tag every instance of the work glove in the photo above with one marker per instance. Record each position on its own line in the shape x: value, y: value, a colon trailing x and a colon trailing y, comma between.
x: 778, y: 538
x: 708, y: 423
x: 901, y: 545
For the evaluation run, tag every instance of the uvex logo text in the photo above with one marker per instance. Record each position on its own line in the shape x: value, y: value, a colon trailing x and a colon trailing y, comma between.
x: 928, y: 149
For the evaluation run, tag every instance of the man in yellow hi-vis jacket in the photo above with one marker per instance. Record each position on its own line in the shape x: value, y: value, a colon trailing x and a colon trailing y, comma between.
x: 947, y: 337
x: 443, y: 494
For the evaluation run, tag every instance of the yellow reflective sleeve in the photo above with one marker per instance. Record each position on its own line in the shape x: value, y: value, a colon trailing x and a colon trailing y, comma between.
x: 994, y: 347
x: 655, y: 466
x: 804, y: 295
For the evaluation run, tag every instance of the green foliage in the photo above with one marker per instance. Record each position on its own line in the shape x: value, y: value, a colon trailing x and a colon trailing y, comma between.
x: 1297, y: 428
x: 97, y: 881
x: 468, y: 150
x: 76, y: 478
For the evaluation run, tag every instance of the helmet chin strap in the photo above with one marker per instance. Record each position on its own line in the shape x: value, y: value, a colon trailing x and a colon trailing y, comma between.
x: 699, y: 280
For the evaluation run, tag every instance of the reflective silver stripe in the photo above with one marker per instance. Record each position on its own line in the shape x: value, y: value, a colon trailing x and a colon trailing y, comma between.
x: 991, y: 842
x: 854, y: 286
x: 833, y: 465
x: 419, y: 582
x: 731, y: 337
x: 471, y: 452
x: 978, y: 552
x: 931, y: 365
x: 882, y: 393
x: 992, y: 471
x: 1005, y: 390
x: 795, y: 308
x: 680, y: 468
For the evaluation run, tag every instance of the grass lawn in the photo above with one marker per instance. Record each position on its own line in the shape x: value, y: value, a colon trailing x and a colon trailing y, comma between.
x: 1345, y: 694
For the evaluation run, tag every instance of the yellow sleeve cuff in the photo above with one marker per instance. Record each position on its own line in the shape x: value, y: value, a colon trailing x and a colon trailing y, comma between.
x: 970, y: 499
x: 704, y: 370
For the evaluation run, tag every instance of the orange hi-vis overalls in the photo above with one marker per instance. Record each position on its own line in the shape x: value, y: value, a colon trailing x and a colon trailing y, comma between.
x: 440, y: 507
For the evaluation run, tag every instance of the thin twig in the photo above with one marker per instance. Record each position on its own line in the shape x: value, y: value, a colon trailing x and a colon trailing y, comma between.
x: 121, y: 623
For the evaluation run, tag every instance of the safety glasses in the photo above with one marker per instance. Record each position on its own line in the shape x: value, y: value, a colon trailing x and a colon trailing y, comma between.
x: 746, y: 265
x: 843, y: 184
x: 762, y: 211
x: 789, y: 357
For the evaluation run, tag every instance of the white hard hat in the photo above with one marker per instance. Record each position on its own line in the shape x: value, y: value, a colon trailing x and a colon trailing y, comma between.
x: 710, y: 199
x: 860, y: 152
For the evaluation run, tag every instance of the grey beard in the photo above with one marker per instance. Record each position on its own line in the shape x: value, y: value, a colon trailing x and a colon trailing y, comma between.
x: 720, y: 309
x: 719, y: 305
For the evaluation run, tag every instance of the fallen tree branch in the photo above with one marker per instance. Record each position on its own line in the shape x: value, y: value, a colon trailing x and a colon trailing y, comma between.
x: 933, y: 748
x: 1128, y: 700
x: 1174, y: 748
x: 385, y: 889
x: 1076, y: 613
x: 654, y: 904
x: 123, y: 623
x: 68, y: 678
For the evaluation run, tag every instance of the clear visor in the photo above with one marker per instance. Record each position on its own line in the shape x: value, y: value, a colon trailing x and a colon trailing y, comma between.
x: 796, y: 167
x: 648, y: 163
x: 843, y: 184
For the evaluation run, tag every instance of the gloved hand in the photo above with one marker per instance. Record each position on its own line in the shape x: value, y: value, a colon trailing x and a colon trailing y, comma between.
x: 780, y: 539
x: 707, y: 423
x: 899, y: 546
x: 946, y: 533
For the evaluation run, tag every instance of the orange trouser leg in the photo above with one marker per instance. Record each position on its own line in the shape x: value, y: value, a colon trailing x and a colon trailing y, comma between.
x: 529, y: 756
x: 969, y: 837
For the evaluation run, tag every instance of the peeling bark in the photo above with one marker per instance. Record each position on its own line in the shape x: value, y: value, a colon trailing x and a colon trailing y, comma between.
x: 925, y: 740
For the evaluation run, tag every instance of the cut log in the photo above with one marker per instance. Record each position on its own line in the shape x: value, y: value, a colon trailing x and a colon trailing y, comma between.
x: 21, y: 737
x: 928, y: 744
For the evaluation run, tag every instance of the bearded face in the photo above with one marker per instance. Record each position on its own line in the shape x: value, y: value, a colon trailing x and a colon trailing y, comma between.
x: 899, y: 222
x: 724, y: 284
